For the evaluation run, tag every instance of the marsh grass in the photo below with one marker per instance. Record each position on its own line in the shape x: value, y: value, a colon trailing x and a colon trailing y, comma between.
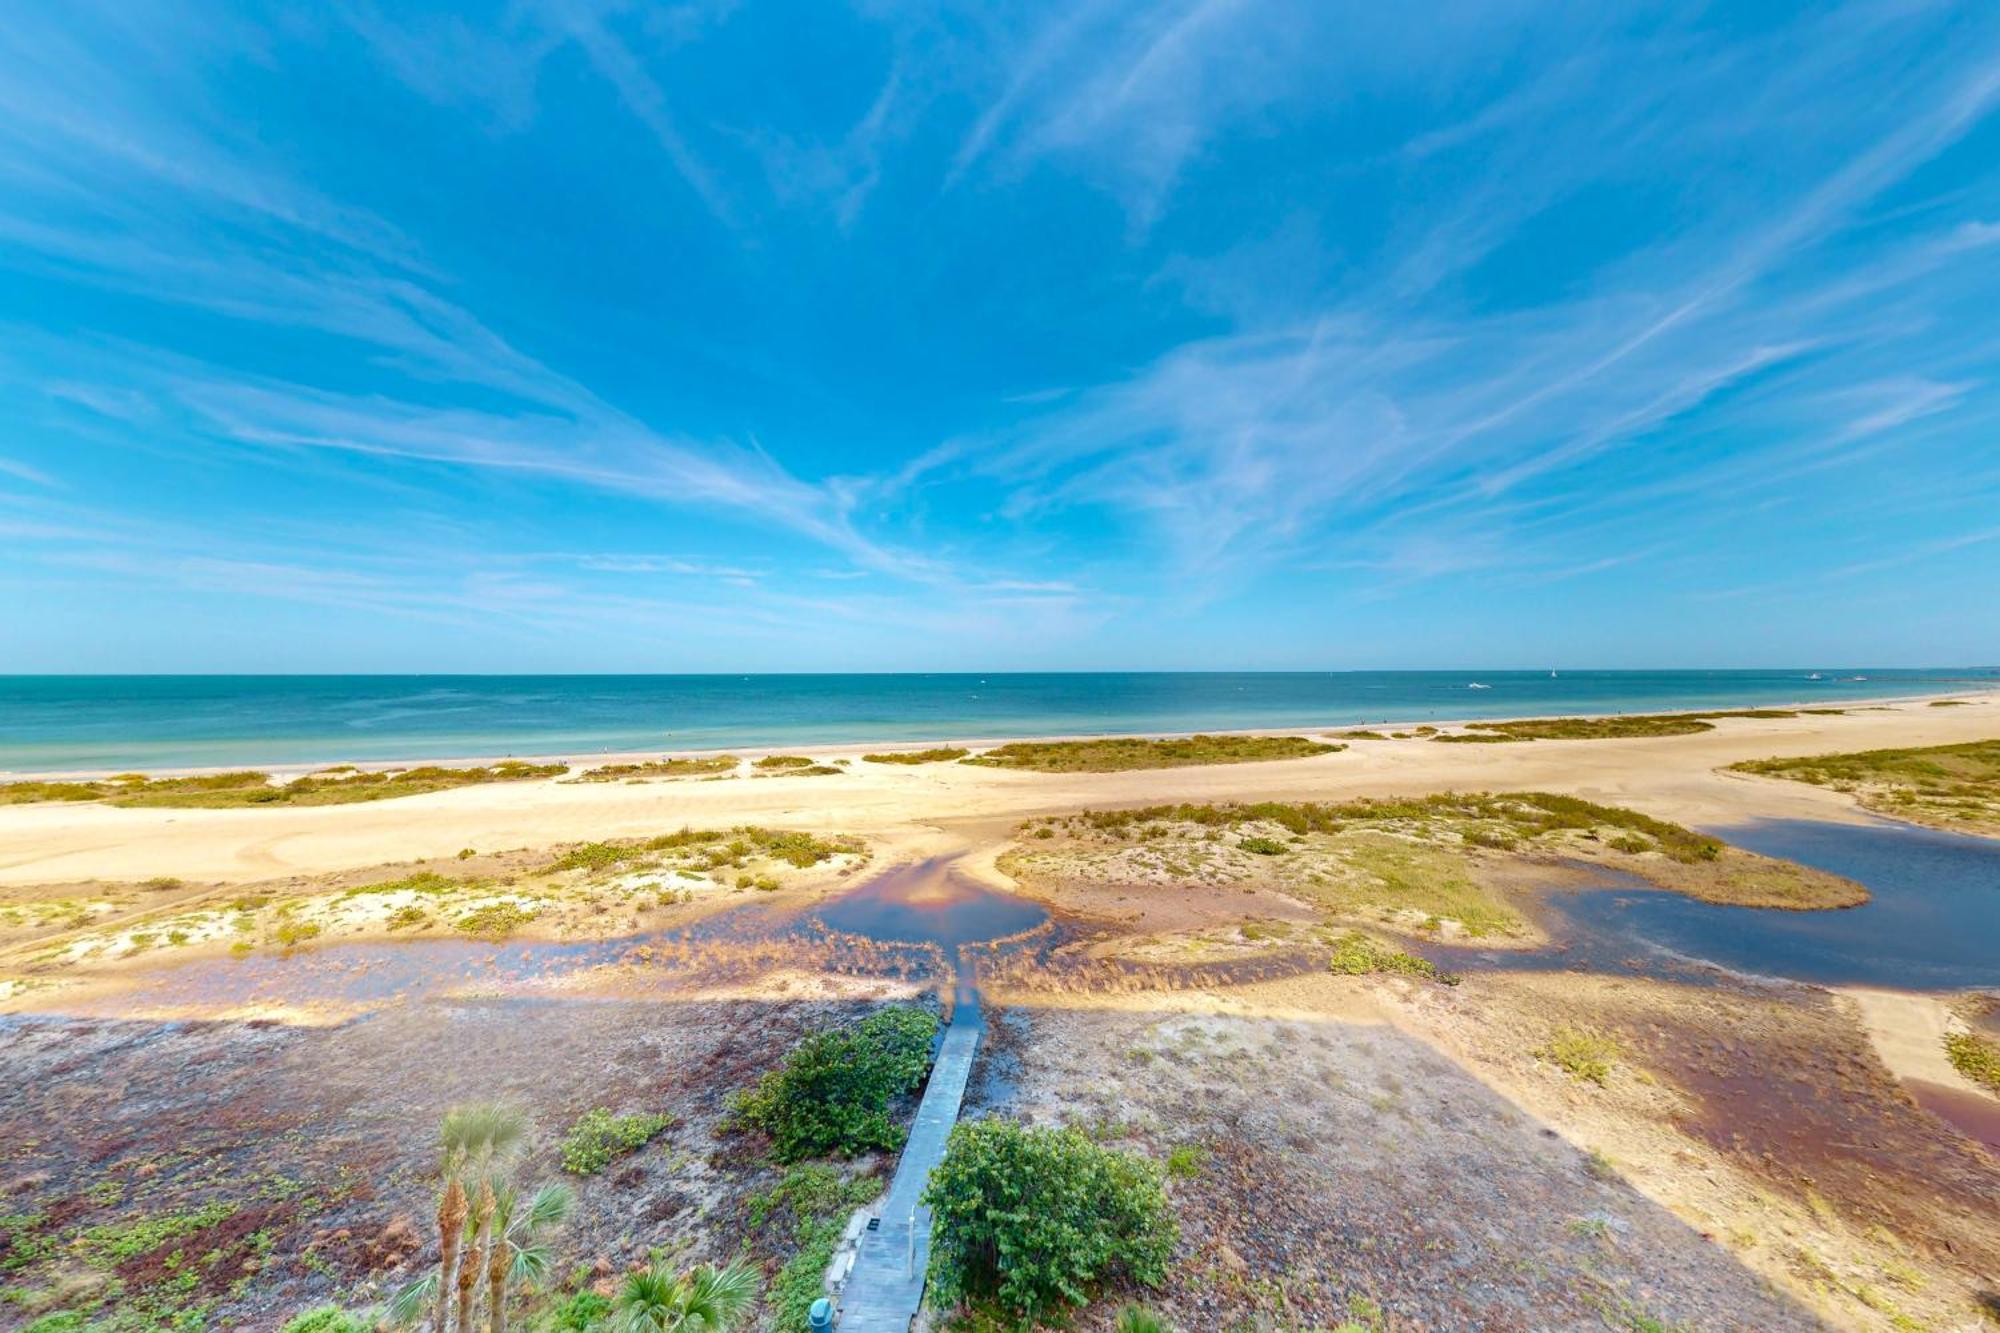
x: 1951, y: 786
x: 701, y: 766
x: 940, y: 755
x: 1112, y: 754
x: 249, y: 787
x: 1355, y: 955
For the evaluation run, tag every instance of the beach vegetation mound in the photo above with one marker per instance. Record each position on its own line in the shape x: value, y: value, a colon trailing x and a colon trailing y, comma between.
x: 250, y: 787
x: 707, y: 850
x: 833, y: 1094
x: 1976, y: 1057
x: 1428, y: 863
x: 1946, y: 786
x: 940, y: 755
x: 1112, y: 754
x: 1034, y: 1221
x: 701, y: 766
x: 1605, y: 728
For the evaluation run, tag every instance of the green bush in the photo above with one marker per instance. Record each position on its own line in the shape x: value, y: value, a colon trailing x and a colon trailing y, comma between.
x: 832, y: 1094
x: 63, y: 1321
x: 1263, y: 846
x: 328, y: 1319
x: 579, y: 1314
x: 1034, y: 1220
x: 599, y: 1136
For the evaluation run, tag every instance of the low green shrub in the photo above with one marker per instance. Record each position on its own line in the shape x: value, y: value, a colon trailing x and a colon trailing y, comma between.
x: 1356, y: 955
x: 494, y: 920
x: 1581, y: 1053
x: 832, y: 1094
x: 1976, y: 1057
x: 1034, y: 1221
x: 598, y: 1137
x: 1264, y: 846
x: 580, y: 1313
x: 328, y: 1319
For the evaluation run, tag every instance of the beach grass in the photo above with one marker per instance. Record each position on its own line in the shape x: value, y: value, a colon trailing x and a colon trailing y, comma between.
x: 1113, y: 754
x: 222, y: 791
x: 1947, y: 786
x: 708, y: 765
x: 942, y: 754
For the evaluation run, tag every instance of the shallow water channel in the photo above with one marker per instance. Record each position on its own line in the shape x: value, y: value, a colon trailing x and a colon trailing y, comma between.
x: 1932, y: 921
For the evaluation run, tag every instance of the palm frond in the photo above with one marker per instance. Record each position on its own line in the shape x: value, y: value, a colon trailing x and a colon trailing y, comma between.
x: 550, y: 1207
x: 412, y: 1300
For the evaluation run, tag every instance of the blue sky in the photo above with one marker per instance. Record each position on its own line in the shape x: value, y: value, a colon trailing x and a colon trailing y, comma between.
x: 559, y: 335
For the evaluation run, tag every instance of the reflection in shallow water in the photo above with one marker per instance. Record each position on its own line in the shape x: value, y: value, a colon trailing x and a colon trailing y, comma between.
x: 910, y: 922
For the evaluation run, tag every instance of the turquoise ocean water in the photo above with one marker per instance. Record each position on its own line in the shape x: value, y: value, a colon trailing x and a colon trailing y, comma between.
x: 54, y: 723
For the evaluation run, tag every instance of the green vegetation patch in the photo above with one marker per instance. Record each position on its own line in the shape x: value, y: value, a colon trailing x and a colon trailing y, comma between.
x: 784, y: 761
x: 1950, y: 786
x: 328, y: 1319
x: 1976, y: 1057
x: 699, y: 767
x: 494, y: 920
x: 711, y: 849
x: 1035, y: 1221
x: 1516, y: 815
x: 422, y: 881
x: 1607, y: 728
x: 808, y: 1208
x: 1356, y: 955
x: 942, y: 754
x: 598, y: 1138
x: 1117, y: 753
x: 833, y: 1093
x: 1583, y: 1054
x: 247, y: 787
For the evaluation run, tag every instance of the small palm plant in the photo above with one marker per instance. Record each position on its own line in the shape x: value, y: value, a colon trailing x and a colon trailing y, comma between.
x: 707, y: 1300
x: 474, y: 1142
x: 518, y: 1252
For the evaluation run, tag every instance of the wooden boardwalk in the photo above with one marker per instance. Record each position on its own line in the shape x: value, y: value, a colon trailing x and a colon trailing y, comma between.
x: 886, y: 1284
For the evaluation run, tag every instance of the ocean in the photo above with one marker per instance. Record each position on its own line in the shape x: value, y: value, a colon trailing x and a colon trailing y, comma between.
x: 60, y: 723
